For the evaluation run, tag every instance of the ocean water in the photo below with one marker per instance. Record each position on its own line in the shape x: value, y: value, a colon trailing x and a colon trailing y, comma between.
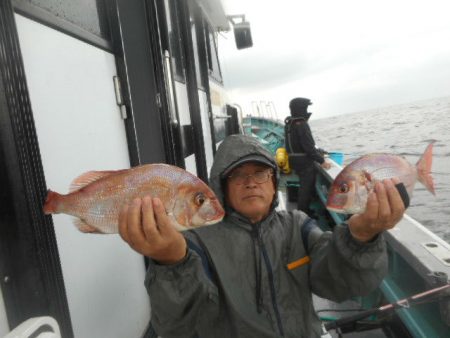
x: 405, y: 130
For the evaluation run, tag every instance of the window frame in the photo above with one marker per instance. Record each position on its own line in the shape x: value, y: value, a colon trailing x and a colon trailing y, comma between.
x: 215, y: 73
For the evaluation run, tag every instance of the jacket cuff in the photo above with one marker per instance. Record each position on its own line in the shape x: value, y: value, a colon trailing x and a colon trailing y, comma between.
x: 166, y: 271
x: 358, y: 253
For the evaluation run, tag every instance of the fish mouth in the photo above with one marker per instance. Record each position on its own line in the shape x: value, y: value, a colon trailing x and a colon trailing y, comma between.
x: 214, y: 221
x: 202, y: 222
x: 216, y: 218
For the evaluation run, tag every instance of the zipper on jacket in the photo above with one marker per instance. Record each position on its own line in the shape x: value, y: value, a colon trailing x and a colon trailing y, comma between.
x: 257, y: 253
x: 270, y: 275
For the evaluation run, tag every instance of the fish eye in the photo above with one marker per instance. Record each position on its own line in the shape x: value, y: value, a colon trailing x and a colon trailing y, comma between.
x: 199, y: 199
x: 343, y: 188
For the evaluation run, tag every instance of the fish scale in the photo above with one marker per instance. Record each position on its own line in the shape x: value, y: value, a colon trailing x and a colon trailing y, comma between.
x: 383, y: 166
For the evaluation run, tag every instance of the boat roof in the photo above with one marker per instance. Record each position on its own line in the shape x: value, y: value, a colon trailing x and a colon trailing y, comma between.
x: 215, y: 14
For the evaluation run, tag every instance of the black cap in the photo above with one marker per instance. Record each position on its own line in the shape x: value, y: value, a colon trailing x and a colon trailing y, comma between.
x: 246, y: 159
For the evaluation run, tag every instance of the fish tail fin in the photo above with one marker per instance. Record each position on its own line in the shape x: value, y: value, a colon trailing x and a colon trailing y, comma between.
x: 423, y: 167
x: 52, y: 202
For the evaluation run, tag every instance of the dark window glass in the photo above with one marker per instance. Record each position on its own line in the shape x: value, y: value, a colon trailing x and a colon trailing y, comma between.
x: 173, y: 29
x: 213, y: 58
x: 89, y: 15
x: 219, y: 129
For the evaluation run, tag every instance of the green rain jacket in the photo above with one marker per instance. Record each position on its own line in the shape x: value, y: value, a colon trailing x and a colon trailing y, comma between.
x: 235, y: 280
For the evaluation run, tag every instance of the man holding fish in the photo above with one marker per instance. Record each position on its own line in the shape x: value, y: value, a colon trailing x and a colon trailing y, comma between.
x: 253, y: 273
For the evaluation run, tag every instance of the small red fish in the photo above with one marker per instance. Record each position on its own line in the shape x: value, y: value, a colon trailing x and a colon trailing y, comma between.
x: 96, y: 197
x: 350, y: 189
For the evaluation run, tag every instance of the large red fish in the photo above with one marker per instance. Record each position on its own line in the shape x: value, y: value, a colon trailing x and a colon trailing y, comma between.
x: 350, y: 189
x: 96, y: 197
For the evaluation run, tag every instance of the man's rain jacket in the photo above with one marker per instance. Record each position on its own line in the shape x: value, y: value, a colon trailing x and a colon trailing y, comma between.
x: 235, y: 280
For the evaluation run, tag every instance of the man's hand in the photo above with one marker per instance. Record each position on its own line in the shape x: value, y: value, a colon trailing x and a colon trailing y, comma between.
x: 384, y: 210
x: 145, y: 226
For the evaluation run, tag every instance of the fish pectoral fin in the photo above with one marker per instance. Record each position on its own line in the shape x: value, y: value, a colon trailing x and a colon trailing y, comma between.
x: 367, y: 176
x: 89, y: 177
x: 84, y: 227
x: 175, y: 223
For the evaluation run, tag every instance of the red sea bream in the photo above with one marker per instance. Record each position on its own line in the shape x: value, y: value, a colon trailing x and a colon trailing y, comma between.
x: 96, y: 197
x: 350, y: 189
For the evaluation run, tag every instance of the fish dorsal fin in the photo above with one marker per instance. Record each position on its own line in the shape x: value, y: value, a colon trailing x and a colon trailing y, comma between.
x: 87, y: 178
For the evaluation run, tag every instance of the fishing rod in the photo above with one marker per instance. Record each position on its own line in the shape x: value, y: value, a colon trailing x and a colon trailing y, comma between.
x: 403, y: 303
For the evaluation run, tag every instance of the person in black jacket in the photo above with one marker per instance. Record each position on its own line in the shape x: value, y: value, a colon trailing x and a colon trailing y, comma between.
x: 302, y: 151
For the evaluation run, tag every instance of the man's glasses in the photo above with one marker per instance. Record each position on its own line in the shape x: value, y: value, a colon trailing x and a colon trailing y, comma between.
x: 259, y: 177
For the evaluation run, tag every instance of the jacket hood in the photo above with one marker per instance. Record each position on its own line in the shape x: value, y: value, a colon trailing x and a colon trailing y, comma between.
x: 299, y: 107
x: 231, y: 151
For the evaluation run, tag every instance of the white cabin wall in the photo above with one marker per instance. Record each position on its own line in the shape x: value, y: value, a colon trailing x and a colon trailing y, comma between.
x: 4, y: 327
x: 191, y: 164
x: 207, y: 139
x: 182, y: 103
x: 79, y: 128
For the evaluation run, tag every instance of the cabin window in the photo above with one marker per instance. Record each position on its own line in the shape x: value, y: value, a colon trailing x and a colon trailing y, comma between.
x: 91, y: 16
x: 196, y: 33
x: 175, y: 45
x: 213, y: 58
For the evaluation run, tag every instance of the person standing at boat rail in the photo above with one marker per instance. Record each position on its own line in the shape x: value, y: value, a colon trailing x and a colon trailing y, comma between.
x: 302, y: 151
x: 253, y: 274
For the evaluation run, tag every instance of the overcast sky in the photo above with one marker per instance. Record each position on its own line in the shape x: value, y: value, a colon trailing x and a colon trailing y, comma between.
x: 346, y: 55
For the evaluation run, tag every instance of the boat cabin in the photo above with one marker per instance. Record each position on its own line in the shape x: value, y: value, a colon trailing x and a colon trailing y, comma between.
x: 97, y: 85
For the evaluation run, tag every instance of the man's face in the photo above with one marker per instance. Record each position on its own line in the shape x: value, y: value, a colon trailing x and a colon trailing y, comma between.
x: 248, y: 197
